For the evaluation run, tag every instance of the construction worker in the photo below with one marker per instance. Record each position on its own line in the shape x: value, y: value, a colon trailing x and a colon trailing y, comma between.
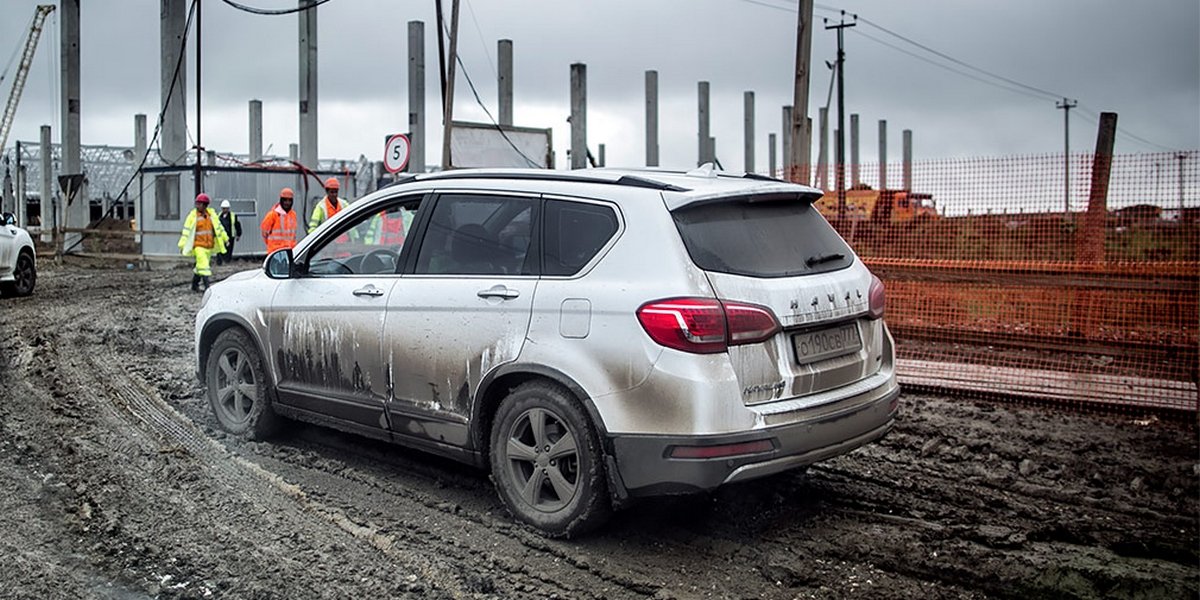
x: 202, y: 235
x: 329, y: 206
x: 233, y: 228
x: 279, y: 226
x: 388, y: 228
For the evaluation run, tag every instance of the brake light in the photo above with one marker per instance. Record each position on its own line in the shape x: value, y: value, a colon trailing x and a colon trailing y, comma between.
x: 877, y: 299
x: 706, y: 325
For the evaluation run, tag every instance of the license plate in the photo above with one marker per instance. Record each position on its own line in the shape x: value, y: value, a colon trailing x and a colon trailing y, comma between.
x: 813, y: 346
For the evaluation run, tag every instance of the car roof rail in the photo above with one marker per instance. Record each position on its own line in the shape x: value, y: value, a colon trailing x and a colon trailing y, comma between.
x: 531, y: 175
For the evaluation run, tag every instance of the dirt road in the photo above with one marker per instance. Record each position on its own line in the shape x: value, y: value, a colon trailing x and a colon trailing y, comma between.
x: 115, y: 483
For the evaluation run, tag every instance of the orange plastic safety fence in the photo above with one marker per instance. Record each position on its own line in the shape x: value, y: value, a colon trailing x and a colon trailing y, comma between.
x: 1002, y: 279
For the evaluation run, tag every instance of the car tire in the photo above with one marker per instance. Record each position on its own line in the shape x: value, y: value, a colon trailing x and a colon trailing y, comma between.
x: 547, y: 462
x: 24, y: 276
x: 238, y: 390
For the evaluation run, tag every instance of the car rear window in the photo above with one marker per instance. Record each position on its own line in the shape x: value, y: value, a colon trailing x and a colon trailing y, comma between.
x: 761, y: 239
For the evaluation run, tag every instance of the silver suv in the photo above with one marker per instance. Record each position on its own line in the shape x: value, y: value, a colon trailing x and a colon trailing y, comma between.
x: 590, y: 336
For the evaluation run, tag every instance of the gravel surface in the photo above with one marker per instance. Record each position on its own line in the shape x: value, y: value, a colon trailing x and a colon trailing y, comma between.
x: 116, y: 483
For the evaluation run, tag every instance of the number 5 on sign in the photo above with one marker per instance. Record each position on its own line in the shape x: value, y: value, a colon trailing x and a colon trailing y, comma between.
x: 395, y: 153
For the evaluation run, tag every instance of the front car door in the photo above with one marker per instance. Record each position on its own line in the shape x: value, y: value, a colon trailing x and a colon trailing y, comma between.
x: 462, y: 311
x: 325, y: 324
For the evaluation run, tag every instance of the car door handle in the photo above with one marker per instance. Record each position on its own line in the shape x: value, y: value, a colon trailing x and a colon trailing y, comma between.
x: 369, y: 290
x: 498, y: 291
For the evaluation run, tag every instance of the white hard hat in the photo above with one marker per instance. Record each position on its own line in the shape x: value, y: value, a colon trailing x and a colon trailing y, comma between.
x: 224, y: 204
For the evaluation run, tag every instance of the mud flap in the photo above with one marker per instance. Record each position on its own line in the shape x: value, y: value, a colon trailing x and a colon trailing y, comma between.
x: 616, y: 487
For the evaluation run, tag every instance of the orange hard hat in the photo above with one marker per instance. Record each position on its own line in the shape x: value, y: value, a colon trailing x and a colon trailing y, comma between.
x: 332, y: 183
x: 286, y: 193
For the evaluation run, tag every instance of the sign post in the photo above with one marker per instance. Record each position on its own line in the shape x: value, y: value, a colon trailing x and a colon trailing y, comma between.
x: 395, y: 153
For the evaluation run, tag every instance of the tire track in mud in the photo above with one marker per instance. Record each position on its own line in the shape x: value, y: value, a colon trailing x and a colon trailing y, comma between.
x: 142, y: 407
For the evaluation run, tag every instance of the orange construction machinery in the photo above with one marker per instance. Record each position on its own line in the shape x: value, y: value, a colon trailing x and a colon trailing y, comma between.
x: 880, y: 206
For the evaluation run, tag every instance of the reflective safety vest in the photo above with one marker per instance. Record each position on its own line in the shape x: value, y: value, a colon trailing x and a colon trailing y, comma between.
x: 391, y: 230
x: 323, y: 211
x: 187, y: 236
x: 279, y: 229
x: 205, y: 232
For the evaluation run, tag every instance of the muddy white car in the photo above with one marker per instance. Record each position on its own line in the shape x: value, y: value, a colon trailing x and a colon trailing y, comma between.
x: 588, y: 336
x: 18, y: 261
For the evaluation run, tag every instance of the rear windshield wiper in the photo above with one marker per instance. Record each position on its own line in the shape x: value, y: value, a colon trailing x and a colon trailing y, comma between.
x: 823, y: 258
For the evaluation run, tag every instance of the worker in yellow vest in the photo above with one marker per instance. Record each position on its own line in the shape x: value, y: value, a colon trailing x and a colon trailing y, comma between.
x: 329, y: 206
x: 202, y: 235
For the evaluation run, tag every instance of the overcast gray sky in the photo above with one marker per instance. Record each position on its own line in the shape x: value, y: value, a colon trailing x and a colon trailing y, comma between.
x: 1139, y: 59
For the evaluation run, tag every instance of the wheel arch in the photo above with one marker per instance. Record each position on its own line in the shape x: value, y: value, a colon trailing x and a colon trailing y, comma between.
x: 497, y: 384
x: 217, y: 325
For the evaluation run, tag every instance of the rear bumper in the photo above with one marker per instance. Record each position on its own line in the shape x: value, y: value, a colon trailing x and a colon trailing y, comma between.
x: 646, y: 468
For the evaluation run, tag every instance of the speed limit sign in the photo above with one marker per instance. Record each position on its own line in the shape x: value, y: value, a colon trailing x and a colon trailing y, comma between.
x: 395, y: 153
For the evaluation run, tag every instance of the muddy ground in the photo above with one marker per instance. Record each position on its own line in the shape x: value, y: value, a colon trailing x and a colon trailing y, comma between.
x: 115, y: 483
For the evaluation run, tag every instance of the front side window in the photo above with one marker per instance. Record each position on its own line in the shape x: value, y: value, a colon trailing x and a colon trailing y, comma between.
x: 478, y: 235
x: 368, y: 245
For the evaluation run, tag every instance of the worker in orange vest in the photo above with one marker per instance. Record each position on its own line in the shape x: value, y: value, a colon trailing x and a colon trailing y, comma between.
x: 279, y: 226
x: 201, y: 237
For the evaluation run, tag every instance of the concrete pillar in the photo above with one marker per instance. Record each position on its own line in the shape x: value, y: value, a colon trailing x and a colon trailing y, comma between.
x: 256, y: 149
x: 787, y: 142
x: 139, y: 154
x: 823, y: 149
x: 22, y: 203
x: 883, y: 154
x: 704, y: 137
x: 651, y: 118
x: 600, y: 160
x: 771, y: 154
x: 173, y: 80
x: 49, y: 211
x: 578, y: 116
x: 908, y: 160
x: 308, y: 87
x: 506, y: 82
x: 9, y: 202
x: 416, y: 96
x: 854, y: 175
x: 77, y: 213
x: 748, y: 151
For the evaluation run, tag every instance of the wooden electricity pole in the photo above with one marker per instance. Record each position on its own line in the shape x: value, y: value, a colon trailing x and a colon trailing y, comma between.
x: 448, y: 107
x: 797, y: 165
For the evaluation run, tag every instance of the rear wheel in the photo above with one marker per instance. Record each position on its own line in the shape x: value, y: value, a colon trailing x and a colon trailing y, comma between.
x: 24, y: 276
x: 547, y: 463
x: 237, y: 386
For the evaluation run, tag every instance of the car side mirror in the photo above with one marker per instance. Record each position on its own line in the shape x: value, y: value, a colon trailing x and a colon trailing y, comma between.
x: 8, y: 218
x: 279, y: 264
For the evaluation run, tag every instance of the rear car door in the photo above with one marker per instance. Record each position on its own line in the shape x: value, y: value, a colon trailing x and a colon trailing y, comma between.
x: 462, y: 310
x: 325, y: 326
x: 780, y: 253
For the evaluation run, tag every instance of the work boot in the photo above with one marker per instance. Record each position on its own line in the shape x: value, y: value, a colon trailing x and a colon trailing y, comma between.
x: 195, y: 283
x: 206, y: 283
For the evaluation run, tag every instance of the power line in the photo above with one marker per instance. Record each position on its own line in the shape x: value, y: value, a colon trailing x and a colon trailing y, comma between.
x: 1092, y: 114
x: 274, y: 12
x: 946, y: 67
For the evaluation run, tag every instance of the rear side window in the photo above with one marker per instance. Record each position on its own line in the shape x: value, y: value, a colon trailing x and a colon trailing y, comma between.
x: 575, y: 232
x: 761, y: 239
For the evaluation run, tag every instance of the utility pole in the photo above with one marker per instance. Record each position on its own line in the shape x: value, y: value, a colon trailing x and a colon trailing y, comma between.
x: 199, y: 175
x: 448, y: 107
x: 579, y: 148
x: 1066, y: 106
x: 748, y: 132
x: 841, y: 137
x: 651, y: 118
x: 800, y: 131
x: 308, y: 85
x: 416, y: 96
x: 1180, y: 157
x: 505, y: 84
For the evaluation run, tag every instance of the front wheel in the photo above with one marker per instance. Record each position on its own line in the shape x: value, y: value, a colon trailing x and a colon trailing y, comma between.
x: 237, y: 386
x: 24, y: 276
x: 547, y: 463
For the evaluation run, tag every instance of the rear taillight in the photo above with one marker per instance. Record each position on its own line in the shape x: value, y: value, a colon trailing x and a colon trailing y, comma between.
x: 706, y: 325
x: 878, y: 300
